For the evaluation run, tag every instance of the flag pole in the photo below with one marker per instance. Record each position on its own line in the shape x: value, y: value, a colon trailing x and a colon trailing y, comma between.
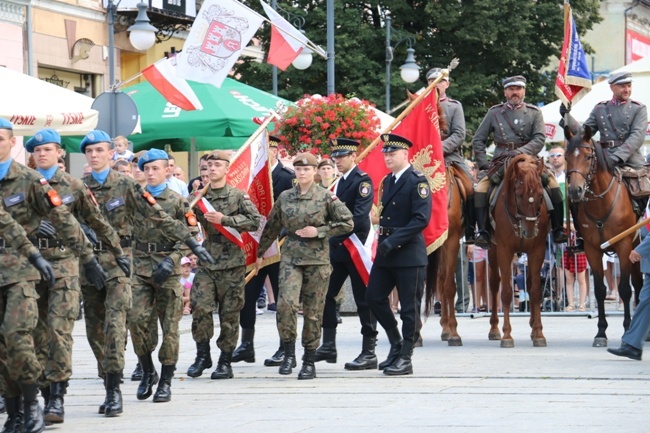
x: 407, y: 110
x: 272, y: 116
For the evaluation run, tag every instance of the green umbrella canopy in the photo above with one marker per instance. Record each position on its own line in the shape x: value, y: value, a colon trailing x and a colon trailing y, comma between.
x: 225, y: 122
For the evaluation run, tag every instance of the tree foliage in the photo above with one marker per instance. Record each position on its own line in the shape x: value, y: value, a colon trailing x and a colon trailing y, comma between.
x: 492, y: 39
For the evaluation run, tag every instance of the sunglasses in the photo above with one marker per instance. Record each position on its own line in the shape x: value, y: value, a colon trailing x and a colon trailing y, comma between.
x: 555, y: 155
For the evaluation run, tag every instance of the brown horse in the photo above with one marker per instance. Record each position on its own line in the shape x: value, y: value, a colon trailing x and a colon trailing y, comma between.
x: 521, y: 225
x: 604, y: 209
x: 441, y: 269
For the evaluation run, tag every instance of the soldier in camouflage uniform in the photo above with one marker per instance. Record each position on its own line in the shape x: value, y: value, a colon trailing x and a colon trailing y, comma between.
x: 58, y: 306
x: 310, y: 214
x: 157, y: 291
x: 121, y: 200
x: 28, y: 198
x: 223, y: 212
x: 517, y: 128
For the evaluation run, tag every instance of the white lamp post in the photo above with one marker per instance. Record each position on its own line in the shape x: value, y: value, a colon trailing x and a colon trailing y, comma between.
x: 409, y: 71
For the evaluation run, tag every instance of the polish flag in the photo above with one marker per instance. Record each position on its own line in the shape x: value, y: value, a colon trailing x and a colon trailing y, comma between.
x: 162, y: 76
x: 287, y: 42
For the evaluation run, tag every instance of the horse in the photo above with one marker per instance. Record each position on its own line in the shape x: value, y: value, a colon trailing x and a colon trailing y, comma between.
x: 521, y: 224
x: 604, y: 209
x: 441, y: 268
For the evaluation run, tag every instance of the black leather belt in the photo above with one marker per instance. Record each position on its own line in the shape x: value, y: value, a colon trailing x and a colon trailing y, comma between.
x: 125, y: 242
x: 509, y: 146
x: 609, y: 144
x: 151, y: 247
x: 387, y: 231
x: 46, y: 243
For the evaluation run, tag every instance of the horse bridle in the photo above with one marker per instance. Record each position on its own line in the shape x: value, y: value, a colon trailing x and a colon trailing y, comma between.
x: 517, y: 220
x: 590, y: 175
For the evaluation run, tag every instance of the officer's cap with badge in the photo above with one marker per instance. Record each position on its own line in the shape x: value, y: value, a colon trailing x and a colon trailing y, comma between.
x: 218, y: 155
x: 620, y: 78
x: 274, y: 141
x: 44, y: 136
x: 94, y: 137
x: 435, y: 73
x: 152, y: 155
x: 305, y: 160
x: 5, y: 124
x: 393, y: 142
x: 343, y: 146
x: 517, y: 80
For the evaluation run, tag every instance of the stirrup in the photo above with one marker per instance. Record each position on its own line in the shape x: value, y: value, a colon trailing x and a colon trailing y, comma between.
x: 483, y: 240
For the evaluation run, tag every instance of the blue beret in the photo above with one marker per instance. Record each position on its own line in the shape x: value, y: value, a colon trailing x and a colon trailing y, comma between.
x: 5, y: 124
x: 393, y: 142
x: 94, y: 137
x: 151, y: 155
x: 44, y: 136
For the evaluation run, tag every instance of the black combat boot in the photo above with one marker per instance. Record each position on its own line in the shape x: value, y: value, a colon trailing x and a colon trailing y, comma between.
x: 45, y: 393
x: 54, y: 411
x: 113, y: 395
x: 557, y: 217
x: 137, y: 373
x: 289, y: 359
x: 33, y: 421
x: 470, y: 220
x: 403, y: 364
x: 367, y: 359
x: 224, y: 369
x: 327, y: 350
x: 14, y: 423
x: 308, y: 369
x: 481, y: 209
x: 277, y: 358
x: 149, y: 377
x: 164, y: 392
x: 203, y: 359
x: 395, y: 339
x: 246, y: 351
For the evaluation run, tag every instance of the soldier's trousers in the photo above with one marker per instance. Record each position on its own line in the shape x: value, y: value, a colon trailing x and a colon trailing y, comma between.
x: 18, y: 316
x: 311, y: 281
x: 410, y: 283
x: 252, y: 291
x: 225, y: 287
x: 340, y: 272
x: 105, y: 315
x: 165, y: 303
x: 58, y: 308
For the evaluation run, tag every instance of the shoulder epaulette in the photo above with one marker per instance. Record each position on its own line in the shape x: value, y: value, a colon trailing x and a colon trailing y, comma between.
x: 534, y: 107
x: 453, y: 100
x: 496, y: 106
x: 362, y: 173
x: 288, y: 170
x: 637, y: 102
x: 603, y: 102
x: 417, y: 173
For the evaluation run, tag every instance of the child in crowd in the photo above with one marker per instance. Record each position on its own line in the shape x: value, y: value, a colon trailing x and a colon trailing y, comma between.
x: 187, y: 277
x: 122, y: 149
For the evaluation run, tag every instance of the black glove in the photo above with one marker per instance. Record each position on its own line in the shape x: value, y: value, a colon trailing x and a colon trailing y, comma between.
x: 163, y: 271
x: 91, y: 235
x: 46, y: 230
x: 564, y: 109
x: 43, y: 267
x: 125, y: 264
x: 95, y: 274
x: 385, y: 248
x: 199, y: 251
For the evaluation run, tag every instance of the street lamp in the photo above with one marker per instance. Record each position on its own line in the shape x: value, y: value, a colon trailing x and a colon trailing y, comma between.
x: 143, y: 34
x: 409, y: 71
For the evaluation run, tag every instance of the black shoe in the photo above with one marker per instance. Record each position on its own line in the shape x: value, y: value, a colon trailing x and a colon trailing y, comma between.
x: 483, y: 240
x: 272, y: 307
x: 113, y: 403
x: 559, y: 235
x: 33, y: 420
x: 164, y: 392
x: 54, y: 410
x: 367, y: 359
x: 289, y: 358
x: 628, y: 351
x: 276, y: 359
x: 403, y: 364
x: 395, y: 339
x: 246, y: 351
x: 14, y: 422
x: 327, y: 351
x: 579, y: 246
x: 137, y: 373
x: 203, y: 360
x: 149, y: 377
x: 223, y: 370
x: 308, y: 369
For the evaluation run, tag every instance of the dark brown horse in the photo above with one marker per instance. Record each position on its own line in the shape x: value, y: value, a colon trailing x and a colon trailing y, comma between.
x: 521, y: 225
x: 604, y: 209
x: 441, y: 270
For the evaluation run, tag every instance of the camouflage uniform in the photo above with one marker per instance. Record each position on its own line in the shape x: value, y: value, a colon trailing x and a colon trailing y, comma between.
x: 222, y: 282
x: 27, y: 197
x: 58, y: 306
x: 305, y: 266
x: 12, y: 233
x: 120, y: 199
x: 149, y: 300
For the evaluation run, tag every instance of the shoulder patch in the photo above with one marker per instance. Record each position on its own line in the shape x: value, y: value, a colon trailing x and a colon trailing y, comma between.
x: 246, y: 197
x: 190, y: 218
x: 423, y: 189
x: 294, y: 182
x: 364, y: 189
x: 150, y: 199
x: 334, y: 198
x: 42, y: 181
x: 54, y: 198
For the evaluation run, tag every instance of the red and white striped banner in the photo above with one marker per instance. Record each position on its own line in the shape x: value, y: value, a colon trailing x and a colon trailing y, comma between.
x: 231, y: 234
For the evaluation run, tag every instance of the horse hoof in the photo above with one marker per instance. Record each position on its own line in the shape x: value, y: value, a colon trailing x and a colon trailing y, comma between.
x: 494, y: 336
x: 539, y: 342
x: 600, y: 342
x: 455, y: 341
x: 507, y: 344
x: 444, y: 336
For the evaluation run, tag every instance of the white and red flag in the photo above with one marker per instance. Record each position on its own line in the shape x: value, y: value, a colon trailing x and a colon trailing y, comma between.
x: 220, y: 32
x: 162, y: 76
x: 287, y: 42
